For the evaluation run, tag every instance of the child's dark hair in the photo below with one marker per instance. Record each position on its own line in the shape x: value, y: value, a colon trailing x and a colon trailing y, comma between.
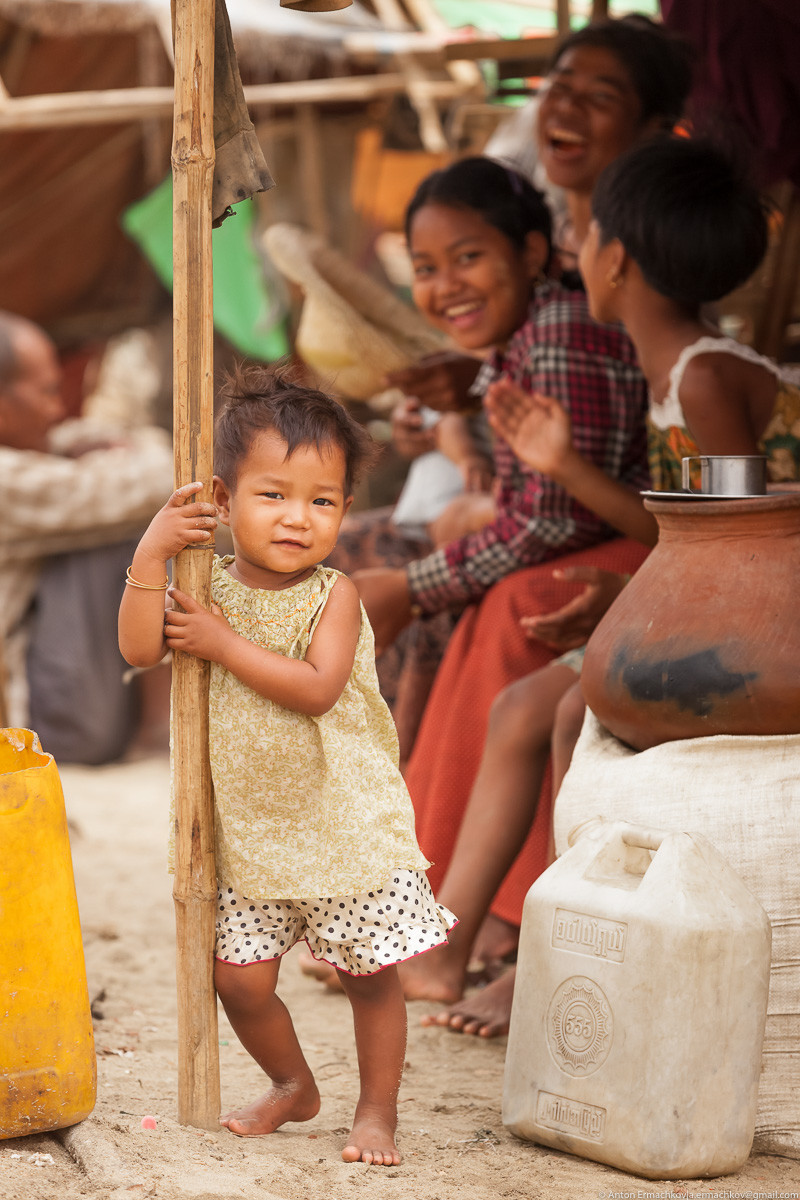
x: 504, y: 198
x: 261, y: 399
x: 659, y: 62
x: 687, y: 214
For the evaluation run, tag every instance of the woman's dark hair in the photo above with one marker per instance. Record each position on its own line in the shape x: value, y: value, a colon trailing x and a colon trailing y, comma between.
x: 687, y: 213
x: 658, y: 62
x: 261, y: 400
x: 503, y: 197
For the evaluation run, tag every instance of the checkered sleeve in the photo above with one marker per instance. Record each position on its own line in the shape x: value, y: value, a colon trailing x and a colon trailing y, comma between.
x: 591, y: 370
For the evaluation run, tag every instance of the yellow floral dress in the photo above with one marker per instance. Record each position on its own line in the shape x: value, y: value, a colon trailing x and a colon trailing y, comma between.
x: 306, y: 806
x: 669, y: 439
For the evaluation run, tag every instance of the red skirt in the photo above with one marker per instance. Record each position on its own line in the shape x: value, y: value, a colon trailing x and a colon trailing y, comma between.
x: 487, y: 652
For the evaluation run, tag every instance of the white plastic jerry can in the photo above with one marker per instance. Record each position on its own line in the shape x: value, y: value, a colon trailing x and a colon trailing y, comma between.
x: 639, y: 1006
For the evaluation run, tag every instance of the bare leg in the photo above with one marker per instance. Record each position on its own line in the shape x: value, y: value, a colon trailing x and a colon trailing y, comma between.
x: 487, y: 1013
x: 498, y: 817
x: 495, y: 941
x: 566, y: 731
x: 379, y: 1019
x: 264, y: 1027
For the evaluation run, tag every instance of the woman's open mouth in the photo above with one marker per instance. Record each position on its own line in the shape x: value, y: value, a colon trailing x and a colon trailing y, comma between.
x: 463, y: 315
x: 565, y: 145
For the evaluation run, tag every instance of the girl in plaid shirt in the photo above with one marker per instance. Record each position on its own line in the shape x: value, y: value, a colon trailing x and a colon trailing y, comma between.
x: 479, y: 237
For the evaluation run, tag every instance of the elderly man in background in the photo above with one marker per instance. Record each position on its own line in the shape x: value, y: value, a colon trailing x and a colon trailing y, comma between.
x: 74, y: 495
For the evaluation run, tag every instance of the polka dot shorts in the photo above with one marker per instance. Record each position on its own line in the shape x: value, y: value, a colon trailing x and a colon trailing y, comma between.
x: 357, y: 934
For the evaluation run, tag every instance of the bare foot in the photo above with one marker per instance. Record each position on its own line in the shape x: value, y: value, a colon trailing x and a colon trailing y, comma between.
x: 295, y: 1103
x: 485, y: 1013
x: 439, y: 976
x: 372, y: 1141
x: 322, y: 971
x: 495, y: 940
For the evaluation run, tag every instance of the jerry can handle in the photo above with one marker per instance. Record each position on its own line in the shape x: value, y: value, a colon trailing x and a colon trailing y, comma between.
x: 647, y: 839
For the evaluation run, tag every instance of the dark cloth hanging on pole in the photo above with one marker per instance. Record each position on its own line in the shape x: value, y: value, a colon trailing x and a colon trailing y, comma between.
x: 240, y: 169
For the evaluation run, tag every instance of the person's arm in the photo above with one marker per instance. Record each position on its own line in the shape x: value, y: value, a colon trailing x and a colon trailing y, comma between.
x: 311, y: 685
x: 181, y: 522
x: 441, y: 381
x: 716, y: 408
x: 571, y: 625
x: 539, y: 431
x: 53, y: 504
x: 537, y: 519
x: 455, y: 441
x: 410, y: 435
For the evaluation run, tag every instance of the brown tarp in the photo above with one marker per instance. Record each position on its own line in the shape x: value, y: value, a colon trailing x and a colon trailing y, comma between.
x: 61, y: 190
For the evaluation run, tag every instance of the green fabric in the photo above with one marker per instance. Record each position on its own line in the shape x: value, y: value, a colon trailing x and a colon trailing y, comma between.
x: 513, y: 20
x: 244, y: 312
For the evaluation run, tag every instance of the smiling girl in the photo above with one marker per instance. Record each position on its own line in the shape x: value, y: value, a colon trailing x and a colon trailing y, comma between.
x: 314, y: 828
x: 479, y: 238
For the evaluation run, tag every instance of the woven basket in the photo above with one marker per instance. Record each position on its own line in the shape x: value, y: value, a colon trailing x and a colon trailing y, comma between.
x: 352, y: 330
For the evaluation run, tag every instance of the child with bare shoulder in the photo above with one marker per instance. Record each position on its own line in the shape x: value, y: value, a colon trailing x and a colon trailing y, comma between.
x: 676, y: 225
x: 314, y: 826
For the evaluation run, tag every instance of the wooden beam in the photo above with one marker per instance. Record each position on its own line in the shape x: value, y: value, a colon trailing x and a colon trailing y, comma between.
x: 311, y: 172
x: 430, y: 123
x: 132, y: 104
x: 781, y: 293
x: 195, y: 890
x: 505, y: 49
x: 428, y: 19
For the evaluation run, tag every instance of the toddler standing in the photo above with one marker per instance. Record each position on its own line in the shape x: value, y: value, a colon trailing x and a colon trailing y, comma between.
x: 314, y: 826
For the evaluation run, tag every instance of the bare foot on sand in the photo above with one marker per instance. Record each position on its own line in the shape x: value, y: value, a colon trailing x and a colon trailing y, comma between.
x: 372, y: 1140
x: 297, y: 1103
x: 485, y: 1013
x: 439, y: 976
x: 444, y: 974
x: 496, y: 940
x: 322, y: 971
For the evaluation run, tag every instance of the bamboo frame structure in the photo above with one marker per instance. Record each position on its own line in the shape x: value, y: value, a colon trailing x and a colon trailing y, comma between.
x: 194, y: 890
x: 111, y: 106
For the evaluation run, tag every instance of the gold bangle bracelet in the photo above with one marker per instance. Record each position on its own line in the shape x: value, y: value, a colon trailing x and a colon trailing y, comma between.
x: 147, y: 587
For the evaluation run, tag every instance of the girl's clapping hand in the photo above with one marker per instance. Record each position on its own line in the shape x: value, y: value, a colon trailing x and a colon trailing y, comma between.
x: 196, y: 630
x: 536, y: 427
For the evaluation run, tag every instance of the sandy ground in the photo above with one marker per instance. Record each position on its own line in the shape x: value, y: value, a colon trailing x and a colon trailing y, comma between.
x: 451, y: 1132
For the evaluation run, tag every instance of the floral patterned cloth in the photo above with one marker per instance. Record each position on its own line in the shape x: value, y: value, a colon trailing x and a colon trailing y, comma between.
x: 669, y: 439
x: 305, y: 806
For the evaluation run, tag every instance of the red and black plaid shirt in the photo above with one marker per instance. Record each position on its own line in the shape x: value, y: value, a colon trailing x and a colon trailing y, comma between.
x: 589, y: 368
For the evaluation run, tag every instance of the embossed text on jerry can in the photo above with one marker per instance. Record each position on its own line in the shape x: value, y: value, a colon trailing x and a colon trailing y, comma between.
x: 47, y: 1059
x: 639, y: 1006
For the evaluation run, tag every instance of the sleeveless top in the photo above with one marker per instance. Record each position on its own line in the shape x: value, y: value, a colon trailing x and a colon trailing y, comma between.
x: 305, y: 806
x: 669, y: 439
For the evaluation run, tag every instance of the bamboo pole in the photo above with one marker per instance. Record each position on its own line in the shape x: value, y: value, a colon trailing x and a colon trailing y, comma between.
x: 194, y: 889
x: 3, y: 686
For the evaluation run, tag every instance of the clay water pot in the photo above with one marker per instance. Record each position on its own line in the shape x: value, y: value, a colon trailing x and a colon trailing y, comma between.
x: 705, y: 639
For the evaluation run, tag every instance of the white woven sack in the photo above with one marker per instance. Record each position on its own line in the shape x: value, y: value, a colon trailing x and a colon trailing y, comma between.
x: 743, y: 794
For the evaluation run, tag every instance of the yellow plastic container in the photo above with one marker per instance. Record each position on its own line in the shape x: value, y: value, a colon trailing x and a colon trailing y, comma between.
x: 48, y: 1076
